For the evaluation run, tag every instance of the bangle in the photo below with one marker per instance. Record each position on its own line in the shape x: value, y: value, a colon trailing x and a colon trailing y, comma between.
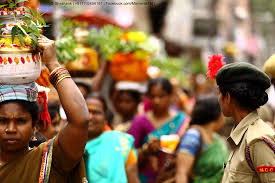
x: 58, y: 75
x: 61, y: 79
x: 55, y: 69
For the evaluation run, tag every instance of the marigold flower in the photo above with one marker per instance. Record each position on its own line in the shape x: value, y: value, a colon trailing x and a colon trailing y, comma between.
x: 28, y: 40
x: 136, y: 36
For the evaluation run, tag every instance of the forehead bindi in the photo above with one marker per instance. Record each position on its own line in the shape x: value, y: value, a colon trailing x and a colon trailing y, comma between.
x: 95, y: 104
x: 12, y: 109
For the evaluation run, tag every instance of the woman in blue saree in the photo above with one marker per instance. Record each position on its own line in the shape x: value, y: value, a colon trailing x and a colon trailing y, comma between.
x: 109, y: 155
x: 147, y: 129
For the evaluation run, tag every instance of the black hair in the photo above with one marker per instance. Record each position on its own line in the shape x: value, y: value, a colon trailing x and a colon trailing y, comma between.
x: 100, y: 98
x: 31, y: 107
x: 134, y: 94
x: 249, y: 95
x: 206, y: 109
x: 163, y: 82
x: 108, y: 114
x: 53, y: 108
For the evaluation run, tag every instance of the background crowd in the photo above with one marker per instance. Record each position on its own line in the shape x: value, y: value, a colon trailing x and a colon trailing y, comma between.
x: 141, y: 105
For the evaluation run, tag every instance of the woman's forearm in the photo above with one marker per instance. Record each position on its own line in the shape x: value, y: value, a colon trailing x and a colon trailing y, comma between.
x: 181, y: 178
x: 72, y: 101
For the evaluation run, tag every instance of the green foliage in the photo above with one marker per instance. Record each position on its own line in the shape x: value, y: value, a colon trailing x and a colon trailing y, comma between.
x: 263, y: 6
x: 171, y: 67
x: 65, y: 49
x: 12, y: 3
x: 68, y: 26
x: 66, y: 45
x: 197, y: 67
x: 1, y: 26
x: 33, y: 28
x: 108, y: 41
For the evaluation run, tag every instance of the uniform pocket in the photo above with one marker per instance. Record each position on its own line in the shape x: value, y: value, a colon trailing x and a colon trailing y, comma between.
x: 239, y: 177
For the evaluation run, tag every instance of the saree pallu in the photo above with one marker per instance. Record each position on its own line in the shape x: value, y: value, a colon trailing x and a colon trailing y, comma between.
x: 148, y: 173
x: 105, y: 157
x: 208, y: 167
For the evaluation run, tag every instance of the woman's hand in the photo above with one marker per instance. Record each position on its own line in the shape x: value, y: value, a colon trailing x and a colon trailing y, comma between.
x: 48, y: 52
x: 153, y: 145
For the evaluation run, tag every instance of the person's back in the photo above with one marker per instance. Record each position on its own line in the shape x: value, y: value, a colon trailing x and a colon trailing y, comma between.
x: 202, y: 152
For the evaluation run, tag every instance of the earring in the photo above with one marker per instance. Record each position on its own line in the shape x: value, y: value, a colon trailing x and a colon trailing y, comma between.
x: 34, y: 138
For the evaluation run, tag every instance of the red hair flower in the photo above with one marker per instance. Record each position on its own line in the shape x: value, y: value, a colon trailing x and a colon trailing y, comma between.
x: 214, y: 64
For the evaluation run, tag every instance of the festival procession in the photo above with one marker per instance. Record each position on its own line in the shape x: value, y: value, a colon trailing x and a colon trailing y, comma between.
x: 142, y: 91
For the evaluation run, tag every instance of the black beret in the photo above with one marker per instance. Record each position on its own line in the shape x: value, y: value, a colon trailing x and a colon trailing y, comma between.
x: 242, y: 72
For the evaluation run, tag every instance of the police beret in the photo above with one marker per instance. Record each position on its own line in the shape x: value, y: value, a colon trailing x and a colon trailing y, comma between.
x: 242, y: 72
x: 269, y: 67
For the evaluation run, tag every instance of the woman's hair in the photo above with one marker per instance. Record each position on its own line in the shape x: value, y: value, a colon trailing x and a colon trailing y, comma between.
x: 206, y: 109
x: 31, y: 107
x: 108, y: 114
x: 134, y: 94
x: 100, y: 98
x: 163, y: 82
x: 248, y: 95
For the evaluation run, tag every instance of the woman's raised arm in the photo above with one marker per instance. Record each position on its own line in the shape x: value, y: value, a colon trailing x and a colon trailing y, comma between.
x: 73, y: 137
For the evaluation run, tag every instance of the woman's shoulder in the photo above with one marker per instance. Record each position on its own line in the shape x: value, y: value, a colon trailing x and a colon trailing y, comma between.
x: 193, y: 132
x: 259, y: 129
x: 114, y: 133
x: 140, y: 118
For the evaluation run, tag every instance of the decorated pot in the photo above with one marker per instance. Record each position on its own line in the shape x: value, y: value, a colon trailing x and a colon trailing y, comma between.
x: 87, y: 62
x: 126, y: 67
x: 18, y: 64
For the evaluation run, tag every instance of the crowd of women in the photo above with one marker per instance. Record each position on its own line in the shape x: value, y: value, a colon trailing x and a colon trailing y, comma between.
x: 146, y: 134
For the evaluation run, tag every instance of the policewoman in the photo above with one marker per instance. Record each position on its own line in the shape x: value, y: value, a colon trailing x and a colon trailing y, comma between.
x: 242, y: 89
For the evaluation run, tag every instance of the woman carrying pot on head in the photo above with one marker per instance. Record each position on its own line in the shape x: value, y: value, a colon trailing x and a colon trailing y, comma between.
x: 57, y: 160
x: 242, y: 89
x: 202, y: 152
x: 109, y: 156
x: 148, y: 128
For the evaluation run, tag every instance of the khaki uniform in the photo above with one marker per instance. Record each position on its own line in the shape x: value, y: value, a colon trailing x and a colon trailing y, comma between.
x: 250, y: 132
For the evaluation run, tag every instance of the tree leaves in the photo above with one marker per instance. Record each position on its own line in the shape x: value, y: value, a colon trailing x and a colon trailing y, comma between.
x: 12, y: 4
x: 33, y: 22
x: 3, y: 5
x: 65, y: 49
x: 19, y: 1
x: 21, y: 39
x: 1, y: 26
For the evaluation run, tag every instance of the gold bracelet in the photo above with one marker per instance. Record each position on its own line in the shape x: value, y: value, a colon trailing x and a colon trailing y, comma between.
x: 55, y: 69
x: 61, y: 79
x: 58, y: 74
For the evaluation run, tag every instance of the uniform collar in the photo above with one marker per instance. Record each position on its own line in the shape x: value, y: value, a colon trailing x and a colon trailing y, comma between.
x: 238, y: 132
